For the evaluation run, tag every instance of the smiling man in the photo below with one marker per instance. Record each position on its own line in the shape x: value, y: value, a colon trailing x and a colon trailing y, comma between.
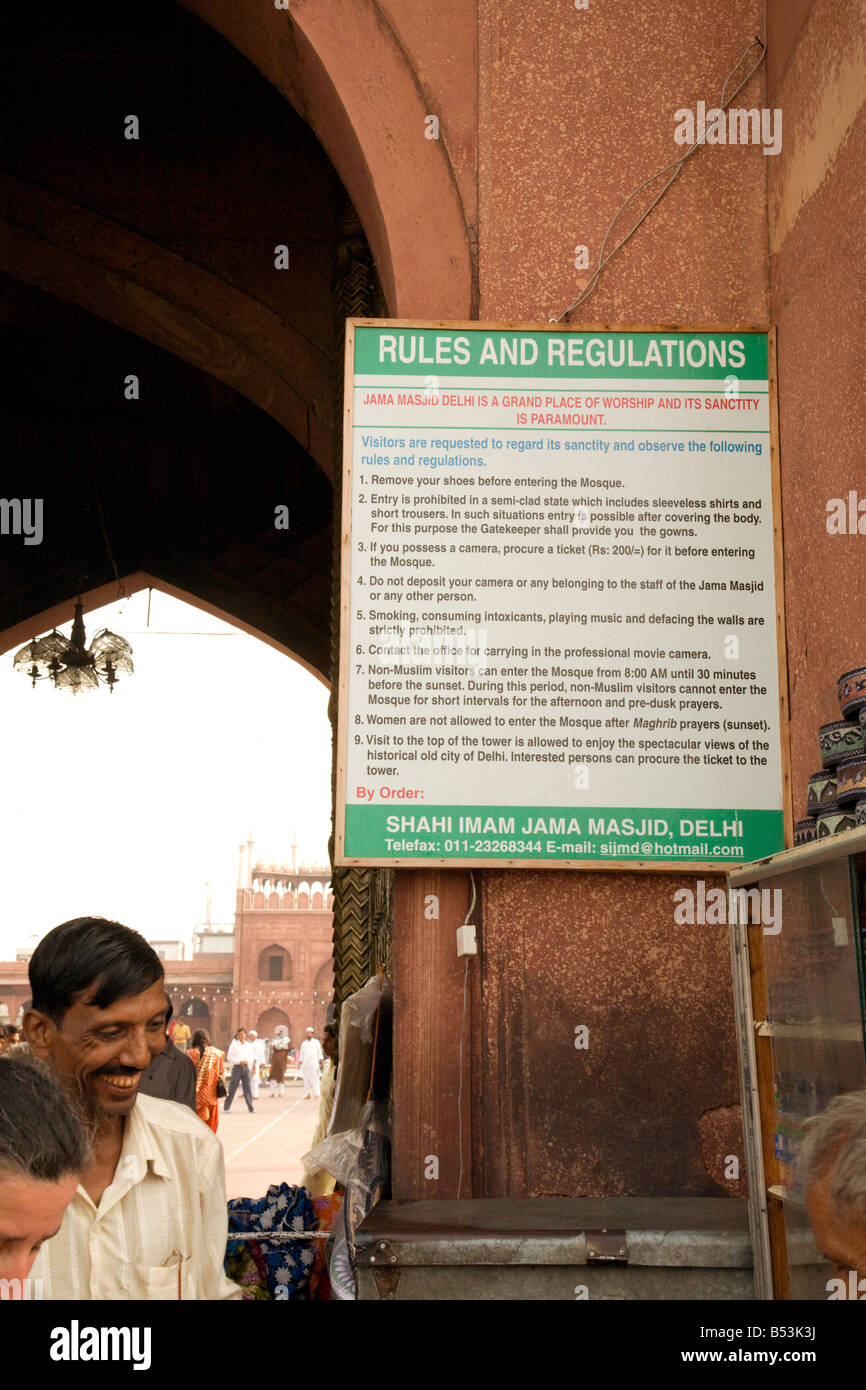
x: 148, y: 1219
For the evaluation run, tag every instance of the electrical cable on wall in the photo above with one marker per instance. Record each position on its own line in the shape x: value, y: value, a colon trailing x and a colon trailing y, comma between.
x: 677, y: 167
x: 469, y: 913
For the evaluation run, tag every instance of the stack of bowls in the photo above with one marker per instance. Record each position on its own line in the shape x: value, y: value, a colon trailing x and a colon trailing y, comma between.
x: 839, y: 802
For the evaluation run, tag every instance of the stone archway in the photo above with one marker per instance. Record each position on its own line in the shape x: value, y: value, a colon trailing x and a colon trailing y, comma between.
x: 275, y: 963
x: 190, y: 298
x: 273, y: 1018
x: 345, y: 69
x: 195, y: 1014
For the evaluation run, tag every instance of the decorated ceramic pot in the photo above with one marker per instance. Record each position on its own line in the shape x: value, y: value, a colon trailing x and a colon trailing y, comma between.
x: 851, y: 781
x: 860, y: 813
x: 841, y: 739
x: 851, y: 690
x: 833, y: 819
x: 805, y: 831
x: 822, y: 787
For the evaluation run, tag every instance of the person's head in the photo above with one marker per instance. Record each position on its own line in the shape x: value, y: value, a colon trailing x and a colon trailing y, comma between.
x: 310, y: 1032
x: 241, y: 1034
x: 252, y: 1035
x: 329, y: 1040
x: 43, y: 1152
x: 98, y: 1012
x: 832, y: 1163
x: 200, y: 1039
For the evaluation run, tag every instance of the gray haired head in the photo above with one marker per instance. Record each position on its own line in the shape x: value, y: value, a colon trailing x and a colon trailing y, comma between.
x: 42, y: 1136
x: 835, y: 1149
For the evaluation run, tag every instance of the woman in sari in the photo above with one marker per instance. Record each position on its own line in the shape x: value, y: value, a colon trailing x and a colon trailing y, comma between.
x: 209, y: 1065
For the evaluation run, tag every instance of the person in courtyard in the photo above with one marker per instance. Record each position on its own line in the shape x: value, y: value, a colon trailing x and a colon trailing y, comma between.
x: 240, y: 1059
x: 181, y: 1035
x: 209, y: 1065
x: 148, y: 1218
x: 43, y: 1152
x: 171, y: 1075
x: 321, y: 1183
x: 832, y: 1163
x: 258, y: 1047
x: 279, y: 1058
x: 311, y: 1059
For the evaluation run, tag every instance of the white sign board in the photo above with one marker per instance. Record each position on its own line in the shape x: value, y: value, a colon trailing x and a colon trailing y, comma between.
x: 560, y: 600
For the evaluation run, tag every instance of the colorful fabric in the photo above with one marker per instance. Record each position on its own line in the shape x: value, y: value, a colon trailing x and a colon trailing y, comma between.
x: 327, y: 1211
x: 288, y: 1263
x: 209, y: 1067
x: 246, y: 1266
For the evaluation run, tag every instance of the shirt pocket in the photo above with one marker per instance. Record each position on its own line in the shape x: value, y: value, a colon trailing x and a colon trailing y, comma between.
x: 167, y: 1282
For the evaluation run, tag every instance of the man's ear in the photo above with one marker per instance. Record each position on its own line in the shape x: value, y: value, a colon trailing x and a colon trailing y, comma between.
x: 40, y: 1032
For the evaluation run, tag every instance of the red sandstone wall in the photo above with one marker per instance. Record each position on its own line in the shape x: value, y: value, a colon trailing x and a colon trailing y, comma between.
x: 817, y: 234
x: 307, y: 936
x: 575, y: 108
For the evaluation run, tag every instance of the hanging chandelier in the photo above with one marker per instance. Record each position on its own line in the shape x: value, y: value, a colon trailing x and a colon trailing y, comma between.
x: 72, y: 666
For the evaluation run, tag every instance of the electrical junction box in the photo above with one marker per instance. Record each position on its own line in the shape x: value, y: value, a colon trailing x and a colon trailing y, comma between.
x: 467, y: 942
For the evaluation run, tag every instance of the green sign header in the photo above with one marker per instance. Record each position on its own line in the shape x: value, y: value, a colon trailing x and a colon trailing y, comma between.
x: 475, y: 352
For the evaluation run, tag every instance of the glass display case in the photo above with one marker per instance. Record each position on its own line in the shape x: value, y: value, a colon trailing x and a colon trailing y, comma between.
x: 798, y: 951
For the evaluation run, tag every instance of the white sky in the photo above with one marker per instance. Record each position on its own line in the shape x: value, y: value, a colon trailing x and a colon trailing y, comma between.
x: 123, y: 805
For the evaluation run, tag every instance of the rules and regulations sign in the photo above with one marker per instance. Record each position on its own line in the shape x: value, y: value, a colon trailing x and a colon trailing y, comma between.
x: 561, y: 610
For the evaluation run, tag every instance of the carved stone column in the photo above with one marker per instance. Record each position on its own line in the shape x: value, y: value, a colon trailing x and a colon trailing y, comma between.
x: 362, y: 897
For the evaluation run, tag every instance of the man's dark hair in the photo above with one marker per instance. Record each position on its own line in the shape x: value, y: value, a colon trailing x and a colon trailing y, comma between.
x: 41, y: 1134
x: 12, y: 1030
x: 85, y: 953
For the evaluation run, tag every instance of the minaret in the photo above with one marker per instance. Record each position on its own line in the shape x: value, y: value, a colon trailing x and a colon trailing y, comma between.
x: 241, y: 865
x: 294, y: 854
x: 250, y: 843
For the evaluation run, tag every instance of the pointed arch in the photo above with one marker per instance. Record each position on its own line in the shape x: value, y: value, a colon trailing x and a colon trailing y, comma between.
x: 60, y: 613
x: 345, y: 72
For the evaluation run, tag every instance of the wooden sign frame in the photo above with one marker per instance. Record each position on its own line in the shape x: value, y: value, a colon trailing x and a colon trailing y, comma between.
x: 676, y: 865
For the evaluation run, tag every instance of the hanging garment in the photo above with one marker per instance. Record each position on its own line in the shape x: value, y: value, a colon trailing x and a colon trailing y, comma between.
x: 288, y: 1263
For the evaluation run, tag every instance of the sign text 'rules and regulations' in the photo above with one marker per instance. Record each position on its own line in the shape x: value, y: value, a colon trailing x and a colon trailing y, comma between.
x: 559, y: 600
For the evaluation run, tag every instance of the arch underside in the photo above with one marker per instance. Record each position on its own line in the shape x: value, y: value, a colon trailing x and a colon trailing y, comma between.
x: 154, y: 258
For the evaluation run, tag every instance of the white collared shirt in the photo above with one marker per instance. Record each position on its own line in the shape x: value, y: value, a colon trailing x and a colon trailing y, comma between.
x: 160, y: 1229
x: 239, y: 1052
